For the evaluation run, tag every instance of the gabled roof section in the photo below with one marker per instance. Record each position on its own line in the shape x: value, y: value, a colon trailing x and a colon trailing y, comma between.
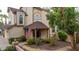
x: 39, y: 8
x: 37, y: 25
x: 14, y: 10
x: 8, y: 26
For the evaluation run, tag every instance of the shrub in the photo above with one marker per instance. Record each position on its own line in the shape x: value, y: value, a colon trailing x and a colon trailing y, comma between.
x: 62, y: 35
x: 11, y: 40
x: 53, y: 40
x: 30, y: 41
x: 38, y: 41
x: 22, y: 39
x: 46, y: 40
x: 10, y: 48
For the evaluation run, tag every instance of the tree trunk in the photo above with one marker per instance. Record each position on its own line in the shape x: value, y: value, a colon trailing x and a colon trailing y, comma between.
x: 73, y: 43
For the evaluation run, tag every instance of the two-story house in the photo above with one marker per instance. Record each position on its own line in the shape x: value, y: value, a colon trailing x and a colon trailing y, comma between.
x: 28, y: 21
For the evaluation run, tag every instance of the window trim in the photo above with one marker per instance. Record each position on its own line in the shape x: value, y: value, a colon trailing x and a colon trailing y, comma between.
x: 21, y: 19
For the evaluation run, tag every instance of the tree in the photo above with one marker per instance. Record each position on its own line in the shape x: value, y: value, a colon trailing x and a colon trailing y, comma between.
x: 54, y: 17
x: 1, y: 21
x: 5, y: 16
x: 66, y: 20
x: 1, y: 18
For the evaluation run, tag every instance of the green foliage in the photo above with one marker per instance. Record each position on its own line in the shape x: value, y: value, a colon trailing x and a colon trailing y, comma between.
x: 53, y: 40
x: 38, y: 41
x: 30, y: 41
x: 11, y: 40
x: 10, y: 48
x: 1, y: 24
x: 54, y: 16
x: 22, y: 39
x: 68, y: 22
x: 46, y: 40
x: 62, y: 35
x: 1, y: 18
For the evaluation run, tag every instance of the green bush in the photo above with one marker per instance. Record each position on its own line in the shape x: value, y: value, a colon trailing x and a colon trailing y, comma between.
x: 53, y: 40
x: 62, y: 35
x: 22, y: 39
x: 46, y: 40
x: 11, y: 40
x: 30, y: 41
x: 38, y: 41
x: 10, y: 48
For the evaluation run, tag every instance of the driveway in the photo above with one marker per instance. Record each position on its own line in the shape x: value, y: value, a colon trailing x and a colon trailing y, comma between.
x: 3, y: 42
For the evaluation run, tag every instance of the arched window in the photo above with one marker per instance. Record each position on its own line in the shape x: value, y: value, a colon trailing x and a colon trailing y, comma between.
x: 20, y: 19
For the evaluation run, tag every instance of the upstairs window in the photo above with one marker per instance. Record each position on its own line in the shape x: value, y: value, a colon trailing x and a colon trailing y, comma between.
x: 20, y: 19
x: 37, y: 16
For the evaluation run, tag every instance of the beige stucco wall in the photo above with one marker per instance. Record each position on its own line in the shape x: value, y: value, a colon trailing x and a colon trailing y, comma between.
x: 29, y: 17
x: 37, y: 11
x: 15, y: 32
x: 44, y: 34
x: 43, y: 16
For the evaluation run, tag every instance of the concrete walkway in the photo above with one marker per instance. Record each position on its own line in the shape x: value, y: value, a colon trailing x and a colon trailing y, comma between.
x: 3, y: 42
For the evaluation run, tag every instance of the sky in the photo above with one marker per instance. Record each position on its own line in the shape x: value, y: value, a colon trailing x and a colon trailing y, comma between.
x: 20, y: 3
x: 35, y: 3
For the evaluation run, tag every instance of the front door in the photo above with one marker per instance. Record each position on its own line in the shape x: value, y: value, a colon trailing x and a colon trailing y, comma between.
x: 38, y: 33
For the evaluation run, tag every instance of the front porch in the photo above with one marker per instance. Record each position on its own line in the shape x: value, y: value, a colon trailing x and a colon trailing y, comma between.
x: 37, y: 30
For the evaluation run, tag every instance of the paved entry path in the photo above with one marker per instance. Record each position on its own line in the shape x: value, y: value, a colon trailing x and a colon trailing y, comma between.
x: 3, y: 42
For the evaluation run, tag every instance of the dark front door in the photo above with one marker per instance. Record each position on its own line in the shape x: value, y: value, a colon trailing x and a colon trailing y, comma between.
x: 38, y: 33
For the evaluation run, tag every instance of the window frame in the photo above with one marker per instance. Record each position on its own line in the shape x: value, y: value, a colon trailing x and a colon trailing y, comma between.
x: 21, y: 19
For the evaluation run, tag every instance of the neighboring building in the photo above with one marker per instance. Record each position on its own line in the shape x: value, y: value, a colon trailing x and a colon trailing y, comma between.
x: 28, y: 21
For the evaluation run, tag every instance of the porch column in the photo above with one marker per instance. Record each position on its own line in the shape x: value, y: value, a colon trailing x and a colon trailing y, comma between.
x: 48, y: 33
x: 35, y: 33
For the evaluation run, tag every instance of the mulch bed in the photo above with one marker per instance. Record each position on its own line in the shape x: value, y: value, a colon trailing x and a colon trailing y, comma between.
x: 60, y: 44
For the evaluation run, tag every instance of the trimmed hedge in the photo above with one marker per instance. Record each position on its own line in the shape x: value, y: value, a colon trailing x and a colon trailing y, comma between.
x: 20, y: 39
x: 11, y: 40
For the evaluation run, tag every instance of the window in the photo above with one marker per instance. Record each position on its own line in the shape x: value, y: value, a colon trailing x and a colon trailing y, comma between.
x: 37, y: 16
x: 20, y: 19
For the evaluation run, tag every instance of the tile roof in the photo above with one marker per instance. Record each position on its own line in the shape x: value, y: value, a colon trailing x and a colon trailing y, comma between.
x: 14, y: 10
x: 7, y: 26
x: 37, y: 25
